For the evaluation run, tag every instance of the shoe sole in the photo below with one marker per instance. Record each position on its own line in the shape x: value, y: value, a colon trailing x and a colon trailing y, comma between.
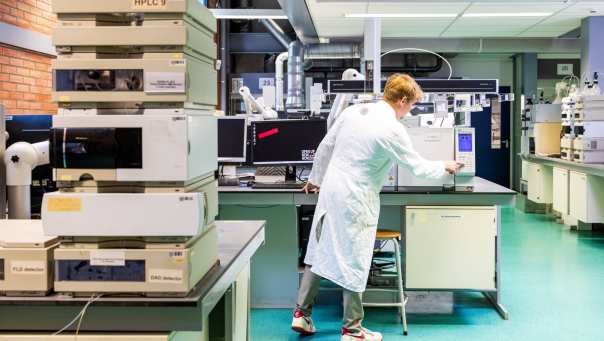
x: 301, y: 331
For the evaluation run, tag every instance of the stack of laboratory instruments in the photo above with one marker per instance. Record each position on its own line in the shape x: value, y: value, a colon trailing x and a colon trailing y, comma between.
x: 133, y: 147
x: 588, y: 145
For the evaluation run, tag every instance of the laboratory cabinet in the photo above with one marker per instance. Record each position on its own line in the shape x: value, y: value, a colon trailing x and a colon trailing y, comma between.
x: 586, y: 197
x: 451, y: 247
x: 540, y: 179
x: 560, y: 190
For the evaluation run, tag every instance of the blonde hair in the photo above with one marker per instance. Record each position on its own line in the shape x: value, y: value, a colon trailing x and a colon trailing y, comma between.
x: 400, y: 86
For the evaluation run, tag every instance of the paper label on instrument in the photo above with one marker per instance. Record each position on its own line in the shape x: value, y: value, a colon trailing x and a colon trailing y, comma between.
x: 64, y: 205
x: 149, y: 4
x: 166, y: 276
x: 107, y: 258
x: 165, y: 82
x: 177, y: 62
x: 28, y: 267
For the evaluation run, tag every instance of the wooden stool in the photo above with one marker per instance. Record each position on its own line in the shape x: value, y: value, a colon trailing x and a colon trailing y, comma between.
x: 395, y: 237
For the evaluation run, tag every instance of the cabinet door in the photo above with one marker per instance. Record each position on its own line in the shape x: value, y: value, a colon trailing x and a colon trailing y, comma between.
x: 560, y: 196
x: 578, y: 196
x: 535, y: 183
x: 450, y: 247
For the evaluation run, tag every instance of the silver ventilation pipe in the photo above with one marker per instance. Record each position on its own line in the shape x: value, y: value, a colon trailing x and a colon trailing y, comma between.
x: 332, y: 51
x: 295, y: 76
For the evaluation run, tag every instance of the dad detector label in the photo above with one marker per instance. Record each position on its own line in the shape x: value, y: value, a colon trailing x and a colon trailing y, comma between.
x: 166, y: 276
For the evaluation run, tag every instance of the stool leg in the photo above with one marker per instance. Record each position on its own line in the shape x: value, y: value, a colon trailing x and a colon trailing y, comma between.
x: 399, y: 272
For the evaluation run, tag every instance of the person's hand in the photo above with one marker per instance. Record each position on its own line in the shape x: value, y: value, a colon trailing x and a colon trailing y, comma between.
x: 308, y: 187
x: 453, y: 167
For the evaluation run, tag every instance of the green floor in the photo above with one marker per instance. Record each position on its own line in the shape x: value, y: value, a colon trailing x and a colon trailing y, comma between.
x: 553, y: 287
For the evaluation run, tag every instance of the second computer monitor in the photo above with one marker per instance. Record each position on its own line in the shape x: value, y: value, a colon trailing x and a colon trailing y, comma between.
x: 286, y: 141
x: 232, y: 139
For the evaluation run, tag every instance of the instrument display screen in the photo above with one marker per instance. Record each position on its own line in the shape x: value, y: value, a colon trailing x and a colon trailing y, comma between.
x: 464, y: 142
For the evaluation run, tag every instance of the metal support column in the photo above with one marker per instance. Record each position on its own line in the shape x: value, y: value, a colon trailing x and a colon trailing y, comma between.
x: 225, y: 58
x: 372, y: 50
x: 592, y: 47
x: 525, y: 83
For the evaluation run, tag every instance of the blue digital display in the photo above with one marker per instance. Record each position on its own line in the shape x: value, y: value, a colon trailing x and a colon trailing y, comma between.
x: 464, y: 142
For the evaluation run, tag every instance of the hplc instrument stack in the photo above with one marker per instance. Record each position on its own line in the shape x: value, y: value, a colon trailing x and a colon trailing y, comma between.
x: 133, y: 147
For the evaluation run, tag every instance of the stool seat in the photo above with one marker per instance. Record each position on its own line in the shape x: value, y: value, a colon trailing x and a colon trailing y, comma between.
x: 383, y: 234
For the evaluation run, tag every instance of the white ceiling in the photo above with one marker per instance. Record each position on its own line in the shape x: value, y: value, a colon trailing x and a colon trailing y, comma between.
x: 329, y: 20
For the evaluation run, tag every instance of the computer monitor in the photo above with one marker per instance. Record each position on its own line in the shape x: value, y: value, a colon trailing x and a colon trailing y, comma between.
x: 232, y: 139
x: 288, y: 142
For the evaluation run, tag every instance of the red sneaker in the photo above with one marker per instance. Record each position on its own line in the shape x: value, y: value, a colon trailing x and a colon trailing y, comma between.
x: 363, y: 334
x: 303, y: 324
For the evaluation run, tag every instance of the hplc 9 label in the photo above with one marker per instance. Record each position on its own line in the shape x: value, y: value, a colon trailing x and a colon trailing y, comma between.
x: 149, y: 4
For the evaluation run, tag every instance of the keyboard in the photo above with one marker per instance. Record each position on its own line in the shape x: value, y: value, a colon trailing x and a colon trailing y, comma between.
x: 278, y: 185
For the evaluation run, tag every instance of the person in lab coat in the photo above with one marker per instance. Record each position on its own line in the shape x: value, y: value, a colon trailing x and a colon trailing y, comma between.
x: 349, y: 170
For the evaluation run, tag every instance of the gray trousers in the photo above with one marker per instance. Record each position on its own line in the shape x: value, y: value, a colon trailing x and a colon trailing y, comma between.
x: 353, y: 302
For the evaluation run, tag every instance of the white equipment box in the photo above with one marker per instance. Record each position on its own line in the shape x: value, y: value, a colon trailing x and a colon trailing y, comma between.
x: 588, y: 144
x: 590, y: 114
x: 561, y: 178
x: 442, y: 144
x: 155, y: 77
x: 540, y: 179
x: 586, y: 193
x: 450, y: 247
x: 590, y: 129
x: 178, y: 146
x: 192, y: 8
x: 129, y: 214
x: 588, y: 150
x: 435, y: 144
x: 161, y: 269
x: 170, y: 25
x: 26, y: 256
x: 566, y: 148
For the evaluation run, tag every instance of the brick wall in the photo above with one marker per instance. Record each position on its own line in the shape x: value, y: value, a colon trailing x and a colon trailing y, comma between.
x: 33, y: 15
x: 25, y: 76
x: 26, y: 82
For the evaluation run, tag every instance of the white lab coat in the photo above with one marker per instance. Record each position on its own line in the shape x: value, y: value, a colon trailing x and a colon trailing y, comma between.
x: 350, y: 166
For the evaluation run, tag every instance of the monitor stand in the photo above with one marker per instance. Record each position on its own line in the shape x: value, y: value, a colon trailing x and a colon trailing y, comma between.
x: 291, y: 181
x: 291, y: 174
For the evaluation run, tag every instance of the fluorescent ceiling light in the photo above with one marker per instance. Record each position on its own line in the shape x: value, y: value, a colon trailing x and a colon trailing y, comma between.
x: 495, y: 14
x: 400, y: 15
x: 237, y: 13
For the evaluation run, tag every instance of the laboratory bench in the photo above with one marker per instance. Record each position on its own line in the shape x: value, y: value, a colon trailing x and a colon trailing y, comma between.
x: 224, y: 289
x: 275, y: 269
x: 574, y: 191
x: 591, y: 169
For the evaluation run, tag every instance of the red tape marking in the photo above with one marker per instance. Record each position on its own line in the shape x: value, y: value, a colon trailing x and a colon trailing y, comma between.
x: 268, y: 133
